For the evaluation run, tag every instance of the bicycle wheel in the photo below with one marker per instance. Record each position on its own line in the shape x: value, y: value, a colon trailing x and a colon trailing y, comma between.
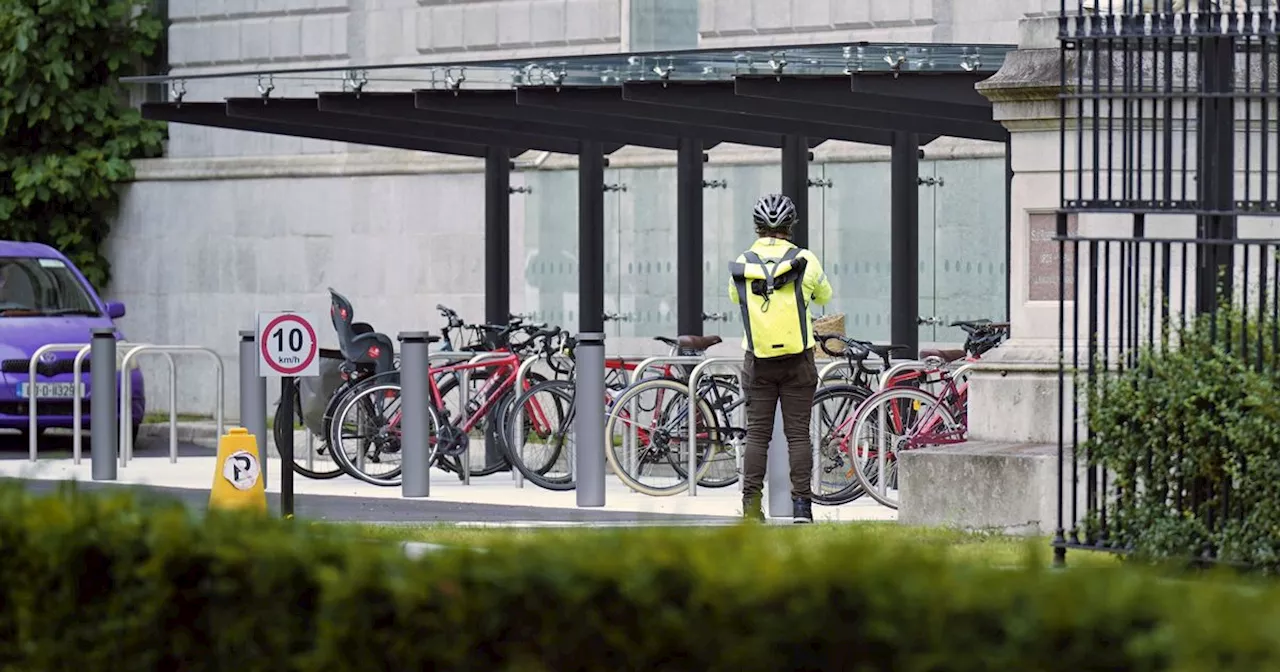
x: 366, y: 434
x: 889, y: 421
x: 642, y: 446
x: 543, y: 418
x: 723, y: 396
x: 834, y: 411
x: 317, y: 463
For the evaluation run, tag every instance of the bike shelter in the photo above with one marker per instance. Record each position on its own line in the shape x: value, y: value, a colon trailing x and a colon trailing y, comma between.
x: 792, y: 98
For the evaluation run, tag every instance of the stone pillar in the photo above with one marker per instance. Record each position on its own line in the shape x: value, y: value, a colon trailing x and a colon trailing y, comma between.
x: 1013, y: 392
x: 1005, y: 476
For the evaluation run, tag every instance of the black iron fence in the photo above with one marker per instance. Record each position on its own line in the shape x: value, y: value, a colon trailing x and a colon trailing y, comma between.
x: 1168, y: 239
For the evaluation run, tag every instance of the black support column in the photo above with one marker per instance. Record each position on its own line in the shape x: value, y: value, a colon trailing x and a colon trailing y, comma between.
x: 904, y: 252
x: 795, y: 183
x: 689, y: 255
x: 497, y: 235
x: 497, y: 253
x: 589, y: 355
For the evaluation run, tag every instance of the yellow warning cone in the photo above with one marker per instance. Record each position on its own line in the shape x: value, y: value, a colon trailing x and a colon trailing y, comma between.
x: 237, y: 482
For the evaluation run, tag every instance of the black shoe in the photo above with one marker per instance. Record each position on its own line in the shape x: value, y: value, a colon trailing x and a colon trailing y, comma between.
x: 801, y: 510
x: 752, y: 508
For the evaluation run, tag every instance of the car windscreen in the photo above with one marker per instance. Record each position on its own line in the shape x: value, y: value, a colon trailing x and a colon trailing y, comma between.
x: 40, y: 287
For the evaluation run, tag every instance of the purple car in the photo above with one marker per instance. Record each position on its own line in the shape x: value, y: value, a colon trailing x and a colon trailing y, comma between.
x: 45, y: 299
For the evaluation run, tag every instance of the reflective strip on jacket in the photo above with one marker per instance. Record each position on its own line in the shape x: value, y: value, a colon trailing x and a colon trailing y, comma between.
x: 815, y: 288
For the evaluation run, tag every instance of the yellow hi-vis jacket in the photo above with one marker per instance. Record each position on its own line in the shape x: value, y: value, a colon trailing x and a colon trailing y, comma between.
x: 774, y: 281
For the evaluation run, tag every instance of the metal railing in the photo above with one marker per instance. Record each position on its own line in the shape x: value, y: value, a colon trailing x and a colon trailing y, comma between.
x: 126, y: 403
x: 77, y: 385
x: 516, y: 439
x: 77, y: 441
x: 694, y: 376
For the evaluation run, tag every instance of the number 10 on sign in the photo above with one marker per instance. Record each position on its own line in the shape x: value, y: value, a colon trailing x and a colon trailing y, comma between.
x: 287, y: 345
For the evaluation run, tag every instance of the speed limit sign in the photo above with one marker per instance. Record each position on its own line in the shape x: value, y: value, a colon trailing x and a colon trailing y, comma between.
x: 287, y: 345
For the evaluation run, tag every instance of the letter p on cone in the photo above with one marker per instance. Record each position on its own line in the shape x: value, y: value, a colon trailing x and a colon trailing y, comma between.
x: 237, y: 481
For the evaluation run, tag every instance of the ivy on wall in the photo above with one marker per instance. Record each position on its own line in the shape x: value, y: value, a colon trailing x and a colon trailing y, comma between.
x: 67, y: 132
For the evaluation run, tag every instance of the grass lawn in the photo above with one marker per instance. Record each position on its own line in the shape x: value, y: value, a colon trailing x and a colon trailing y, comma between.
x: 994, y: 550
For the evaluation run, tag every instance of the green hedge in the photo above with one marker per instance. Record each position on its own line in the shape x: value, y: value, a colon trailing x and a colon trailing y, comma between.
x: 1191, y: 439
x: 104, y: 583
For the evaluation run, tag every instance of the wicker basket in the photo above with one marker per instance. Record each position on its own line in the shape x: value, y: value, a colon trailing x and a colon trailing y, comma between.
x: 830, y: 325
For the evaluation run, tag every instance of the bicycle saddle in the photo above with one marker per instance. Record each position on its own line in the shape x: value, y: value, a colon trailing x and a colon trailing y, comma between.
x: 690, y: 342
x: 884, y: 351
x: 947, y: 356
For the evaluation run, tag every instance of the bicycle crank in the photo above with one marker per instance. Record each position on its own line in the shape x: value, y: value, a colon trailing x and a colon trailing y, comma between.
x: 451, y: 441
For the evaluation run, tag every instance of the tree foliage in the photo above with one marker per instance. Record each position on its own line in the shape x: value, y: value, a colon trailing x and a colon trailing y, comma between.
x: 67, y: 132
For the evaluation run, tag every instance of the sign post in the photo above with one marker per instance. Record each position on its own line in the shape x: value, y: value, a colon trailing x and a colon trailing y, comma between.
x: 287, y: 347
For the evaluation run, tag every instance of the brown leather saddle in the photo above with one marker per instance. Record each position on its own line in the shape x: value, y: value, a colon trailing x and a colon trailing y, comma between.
x: 700, y: 344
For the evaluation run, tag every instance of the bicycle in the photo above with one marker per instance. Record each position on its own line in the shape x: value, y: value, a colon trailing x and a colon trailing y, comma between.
x: 662, y: 443
x: 540, y: 444
x: 835, y: 482
x: 375, y: 413
x: 914, y: 418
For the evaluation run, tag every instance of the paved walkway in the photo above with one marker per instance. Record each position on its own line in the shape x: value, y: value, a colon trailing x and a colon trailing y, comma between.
x: 487, y: 499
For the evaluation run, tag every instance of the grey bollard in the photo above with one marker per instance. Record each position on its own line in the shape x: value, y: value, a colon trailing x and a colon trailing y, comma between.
x: 415, y: 397
x: 253, y: 398
x: 777, y: 487
x: 589, y: 424
x: 104, y: 443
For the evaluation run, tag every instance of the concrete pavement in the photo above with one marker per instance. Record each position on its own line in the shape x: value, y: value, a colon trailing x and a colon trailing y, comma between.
x: 486, y: 500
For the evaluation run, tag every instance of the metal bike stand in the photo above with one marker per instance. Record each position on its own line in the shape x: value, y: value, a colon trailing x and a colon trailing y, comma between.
x: 517, y: 436
x: 447, y: 357
x: 633, y: 435
x: 77, y: 368
x: 126, y: 406
x: 465, y: 382
x: 694, y: 376
x: 904, y: 365
x: 31, y: 387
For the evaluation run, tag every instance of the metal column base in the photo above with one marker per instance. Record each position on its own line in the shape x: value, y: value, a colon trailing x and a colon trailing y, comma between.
x: 777, y: 484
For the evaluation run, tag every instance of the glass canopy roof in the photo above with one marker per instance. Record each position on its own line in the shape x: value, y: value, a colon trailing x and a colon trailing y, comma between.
x: 606, y: 69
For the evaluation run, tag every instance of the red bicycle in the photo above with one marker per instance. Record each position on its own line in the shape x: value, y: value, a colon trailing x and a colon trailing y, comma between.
x: 371, y: 417
x: 902, y: 416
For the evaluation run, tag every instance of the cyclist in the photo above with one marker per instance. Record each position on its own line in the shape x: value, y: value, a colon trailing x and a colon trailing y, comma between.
x: 774, y: 281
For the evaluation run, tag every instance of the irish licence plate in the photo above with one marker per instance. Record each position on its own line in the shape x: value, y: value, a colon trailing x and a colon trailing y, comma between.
x: 47, y: 390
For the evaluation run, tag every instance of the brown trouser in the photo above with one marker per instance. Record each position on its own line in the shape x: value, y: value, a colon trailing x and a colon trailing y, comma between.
x: 791, y: 379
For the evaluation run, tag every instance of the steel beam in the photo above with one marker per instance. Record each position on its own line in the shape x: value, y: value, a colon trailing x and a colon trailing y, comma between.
x: 904, y: 244
x: 214, y: 115
x: 689, y: 257
x: 946, y: 88
x: 608, y: 100
x: 836, y: 92
x: 845, y: 124
x: 402, y: 106
x: 795, y: 183
x: 501, y: 104
x: 307, y: 111
x: 399, y: 107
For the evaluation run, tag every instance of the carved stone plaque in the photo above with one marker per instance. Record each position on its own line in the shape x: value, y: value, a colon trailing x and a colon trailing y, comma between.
x: 1042, y: 261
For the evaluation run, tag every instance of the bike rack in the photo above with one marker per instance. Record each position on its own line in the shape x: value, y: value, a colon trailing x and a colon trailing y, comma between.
x: 32, y: 395
x: 737, y: 364
x: 454, y: 357
x: 126, y: 407
x: 517, y: 436
x: 465, y: 393
x: 76, y: 404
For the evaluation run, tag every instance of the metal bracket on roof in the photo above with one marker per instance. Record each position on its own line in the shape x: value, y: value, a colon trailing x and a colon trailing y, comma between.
x: 455, y: 83
x: 664, y: 74
x: 265, y: 91
x: 520, y: 190
x: 895, y: 65
x: 821, y: 184
x: 715, y: 184
x: 178, y: 89
x: 355, y: 80
x: 615, y: 187
x: 777, y: 64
